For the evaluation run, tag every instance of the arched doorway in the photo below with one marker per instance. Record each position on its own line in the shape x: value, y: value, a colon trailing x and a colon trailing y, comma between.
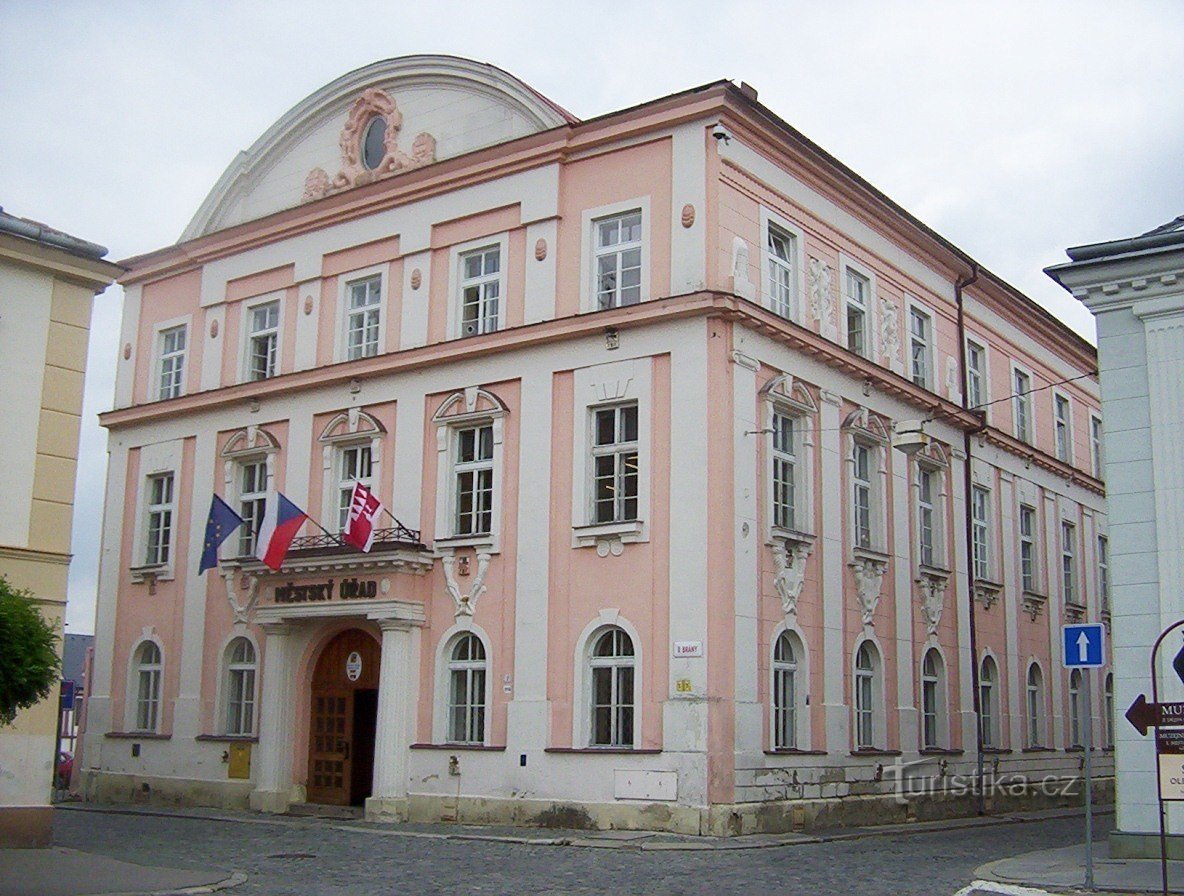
x: 342, y: 720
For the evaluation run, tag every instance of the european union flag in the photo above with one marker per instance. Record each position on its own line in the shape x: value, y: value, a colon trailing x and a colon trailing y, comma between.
x: 221, y: 523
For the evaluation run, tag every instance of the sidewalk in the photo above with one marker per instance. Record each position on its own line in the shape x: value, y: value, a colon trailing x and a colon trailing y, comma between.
x: 1064, y: 869
x: 57, y: 871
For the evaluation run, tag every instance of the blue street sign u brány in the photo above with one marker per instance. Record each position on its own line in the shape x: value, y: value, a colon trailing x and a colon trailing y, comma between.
x: 1082, y: 646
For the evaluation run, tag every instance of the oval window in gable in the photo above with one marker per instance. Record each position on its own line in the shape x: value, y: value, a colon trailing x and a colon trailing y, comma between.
x: 374, y: 143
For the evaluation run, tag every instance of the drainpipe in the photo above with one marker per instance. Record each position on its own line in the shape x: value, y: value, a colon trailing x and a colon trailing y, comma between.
x: 968, y: 496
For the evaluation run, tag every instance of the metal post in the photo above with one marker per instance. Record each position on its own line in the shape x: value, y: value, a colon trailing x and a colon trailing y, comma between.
x: 1089, y: 782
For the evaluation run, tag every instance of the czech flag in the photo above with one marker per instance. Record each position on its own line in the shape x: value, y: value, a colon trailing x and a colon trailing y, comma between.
x: 281, y: 521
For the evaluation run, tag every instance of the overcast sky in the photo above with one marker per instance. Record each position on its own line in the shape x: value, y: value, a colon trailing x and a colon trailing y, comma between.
x: 1015, y: 129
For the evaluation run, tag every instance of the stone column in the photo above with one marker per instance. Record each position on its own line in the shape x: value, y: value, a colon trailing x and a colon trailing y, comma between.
x: 273, y: 758
x: 398, y: 692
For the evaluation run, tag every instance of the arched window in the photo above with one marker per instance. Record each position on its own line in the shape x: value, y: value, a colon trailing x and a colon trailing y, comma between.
x: 466, y: 691
x: 932, y: 699
x: 240, y: 687
x: 1108, y: 709
x: 1075, y: 705
x: 612, y: 664
x: 1035, y: 705
x: 785, y: 693
x: 988, y: 680
x: 148, y: 665
x: 867, y: 668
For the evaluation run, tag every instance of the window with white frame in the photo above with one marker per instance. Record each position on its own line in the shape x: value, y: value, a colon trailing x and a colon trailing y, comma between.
x: 1061, y: 428
x: 861, y: 493
x: 480, y: 290
x: 784, y: 470
x: 612, y: 665
x: 252, y: 501
x: 172, y: 362
x: 867, y: 686
x: 857, y: 305
x: 1069, y: 563
x: 1028, y: 552
x: 1095, y: 444
x: 780, y: 253
x: 932, y: 700
x: 614, y: 463
x: 617, y: 259
x: 976, y: 375
x: 1035, y: 706
x: 148, y: 666
x: 362, y: 317
x: 1108, y: 710
x: 921, y: 347
x: 354, y: 464
x: 240, y: 687
x: 980, y: 517
x: 160, y: 519
x: 1104, y: 573
x: 785, y: 693
x: 988, y: 690
x: 928, y: 517
x: 263, y: 341
x: 466, y: 691
x: 472, y: 475
x: 1021, y: 388
x: 1076, y: 697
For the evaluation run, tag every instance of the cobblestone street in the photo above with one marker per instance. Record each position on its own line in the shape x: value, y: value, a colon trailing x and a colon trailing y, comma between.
x: 319, y: 857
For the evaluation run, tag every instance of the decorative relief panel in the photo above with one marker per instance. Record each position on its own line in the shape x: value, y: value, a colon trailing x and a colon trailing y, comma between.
x: 890, y: 334
x: 822, y: 299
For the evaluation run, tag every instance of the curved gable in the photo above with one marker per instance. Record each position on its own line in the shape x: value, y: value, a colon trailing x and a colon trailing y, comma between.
x: 437, y: 107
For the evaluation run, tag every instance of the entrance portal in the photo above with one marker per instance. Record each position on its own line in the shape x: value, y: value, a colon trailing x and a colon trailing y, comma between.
x: 343, y: 719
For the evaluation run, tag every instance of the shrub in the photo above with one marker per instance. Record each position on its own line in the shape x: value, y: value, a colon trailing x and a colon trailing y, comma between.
x: 29, y: 664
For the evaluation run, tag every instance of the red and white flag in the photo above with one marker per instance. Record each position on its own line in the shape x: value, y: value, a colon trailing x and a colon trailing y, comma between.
x: 360, y: 523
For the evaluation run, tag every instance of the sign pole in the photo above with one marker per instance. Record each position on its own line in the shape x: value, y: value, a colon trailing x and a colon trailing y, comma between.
x: 1089, y: 783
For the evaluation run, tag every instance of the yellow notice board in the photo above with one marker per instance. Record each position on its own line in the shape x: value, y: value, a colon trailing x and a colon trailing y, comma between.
x: 240, y: 761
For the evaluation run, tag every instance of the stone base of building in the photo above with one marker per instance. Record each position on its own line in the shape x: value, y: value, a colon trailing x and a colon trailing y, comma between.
x: 25, y: 827
x: 150, y: 790
x: 1137, y: 845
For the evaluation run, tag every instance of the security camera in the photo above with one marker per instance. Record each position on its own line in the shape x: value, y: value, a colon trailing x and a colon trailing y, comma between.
x: 719, y: 132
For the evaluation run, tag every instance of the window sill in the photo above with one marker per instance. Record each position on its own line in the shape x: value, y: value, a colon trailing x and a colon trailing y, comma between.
x: 939, y: 751
x: 1038, y: 750
x: 865, y: 554
x: 930, y: 571
x: 628, y: 531
x: 479, y: 748
x: 794, y: 751
x: 606, y: 751
x: 229, y: 738
x: 996, y: 751
x: 151, y: 573
x: 793, y: 536
x: 483, y: 542
x: 871, y: 751
x: 137, y: 735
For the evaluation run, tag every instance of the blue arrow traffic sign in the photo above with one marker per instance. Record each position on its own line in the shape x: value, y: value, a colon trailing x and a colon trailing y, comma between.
x: 1082, y: 646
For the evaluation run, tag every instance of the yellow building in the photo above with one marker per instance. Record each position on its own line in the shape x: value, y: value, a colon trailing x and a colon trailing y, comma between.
x: 47, y: 282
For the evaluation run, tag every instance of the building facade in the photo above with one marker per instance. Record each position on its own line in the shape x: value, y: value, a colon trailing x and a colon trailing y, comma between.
x: 1135, y: 288
x: 48, y: 280
x: 629, y: 388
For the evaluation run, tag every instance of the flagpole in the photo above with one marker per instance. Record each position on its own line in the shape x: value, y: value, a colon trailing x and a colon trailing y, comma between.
x: 327, y: 532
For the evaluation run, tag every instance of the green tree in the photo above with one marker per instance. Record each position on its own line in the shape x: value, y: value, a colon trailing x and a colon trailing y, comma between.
x: 29, y: 664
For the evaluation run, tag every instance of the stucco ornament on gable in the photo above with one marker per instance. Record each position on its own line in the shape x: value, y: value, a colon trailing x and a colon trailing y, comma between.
x: 869, y: 576
x: 790, y: 575
x: 373, y: 103
x: 466, y: 604
x: 822, y: 300
x: 932, y: 594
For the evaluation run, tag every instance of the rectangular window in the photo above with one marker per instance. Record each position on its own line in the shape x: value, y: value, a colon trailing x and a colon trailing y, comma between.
x: 861, y: 479
x: 1069, y: 563
x: 363, y: 299
x: 864, y: 728
x: 986, y: 702
x: 160, y: 519
x: 480, y: 290
x: 618, y: 260
x: 921, y: 348
x: 1104, y: 573
x: 252, y: 500
x: 1022, y: 386
x: 925, y: 515
x: 980, y: 514
x: 784, y: 471
x: 614, y: 464
x: 1028, y: 547
x: 780, y: 248
x: 1095, y: 443
x: 354, y: 466
x: 976, y: 375
x: 473, y: 472
x: 264, y: 340
x: 1061, y: 428
x: 172, y: 362
x: 858, y: 296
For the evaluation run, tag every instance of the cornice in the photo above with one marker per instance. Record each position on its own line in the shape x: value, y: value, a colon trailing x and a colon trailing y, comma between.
x: 91, y: 273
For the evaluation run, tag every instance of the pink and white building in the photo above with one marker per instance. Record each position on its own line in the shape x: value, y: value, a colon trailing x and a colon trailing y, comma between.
x: 642, y: 392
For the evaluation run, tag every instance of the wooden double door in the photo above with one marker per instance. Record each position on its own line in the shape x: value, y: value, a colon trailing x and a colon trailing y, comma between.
x: 343, y: 720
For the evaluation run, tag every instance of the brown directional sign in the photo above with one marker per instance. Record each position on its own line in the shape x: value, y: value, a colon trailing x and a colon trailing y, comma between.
x: 1169, y: 740
x: 1144, y: 715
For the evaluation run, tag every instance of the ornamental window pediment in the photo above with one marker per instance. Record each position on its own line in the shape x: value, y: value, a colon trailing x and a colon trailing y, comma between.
x: 251, y: 440
x: 785, y: 390
x: 352, y: 425
x: 469, y: 403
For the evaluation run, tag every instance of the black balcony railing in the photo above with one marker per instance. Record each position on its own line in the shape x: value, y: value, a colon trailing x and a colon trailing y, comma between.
x: 394, y: 538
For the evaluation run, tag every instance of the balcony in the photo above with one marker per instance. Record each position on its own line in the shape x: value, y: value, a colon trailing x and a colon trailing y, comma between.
x: 394, y: 549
